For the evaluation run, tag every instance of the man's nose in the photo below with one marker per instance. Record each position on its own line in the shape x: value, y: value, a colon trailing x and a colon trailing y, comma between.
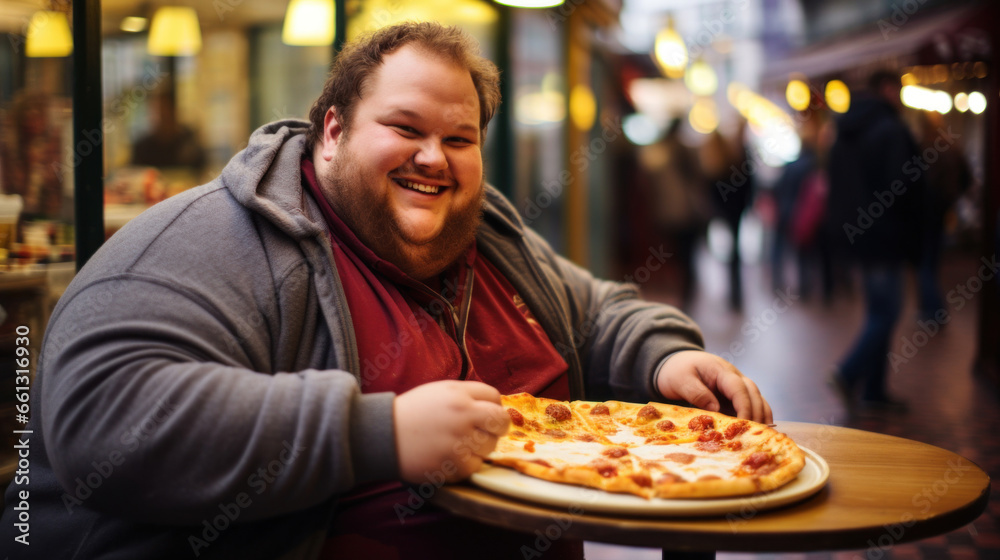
x: 430, y: 156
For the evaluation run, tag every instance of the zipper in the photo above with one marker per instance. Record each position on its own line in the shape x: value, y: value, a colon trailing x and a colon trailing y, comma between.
x: 459, y: 317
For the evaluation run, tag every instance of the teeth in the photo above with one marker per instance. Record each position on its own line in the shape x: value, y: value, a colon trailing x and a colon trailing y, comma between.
x: 429, y: 189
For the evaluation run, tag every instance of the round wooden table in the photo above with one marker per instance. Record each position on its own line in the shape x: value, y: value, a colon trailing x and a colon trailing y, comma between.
x: 882, y: 490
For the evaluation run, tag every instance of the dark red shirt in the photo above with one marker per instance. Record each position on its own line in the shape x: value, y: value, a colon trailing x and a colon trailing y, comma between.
x: 409, y: 334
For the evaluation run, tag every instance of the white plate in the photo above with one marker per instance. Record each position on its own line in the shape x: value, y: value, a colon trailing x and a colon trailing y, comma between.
x: 509, y: 482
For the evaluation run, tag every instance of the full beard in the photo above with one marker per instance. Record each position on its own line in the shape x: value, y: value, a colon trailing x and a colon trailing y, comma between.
x: 370, y: 216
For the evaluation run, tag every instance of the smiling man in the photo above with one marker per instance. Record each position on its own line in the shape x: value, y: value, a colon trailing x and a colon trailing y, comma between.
x: 332, y: 318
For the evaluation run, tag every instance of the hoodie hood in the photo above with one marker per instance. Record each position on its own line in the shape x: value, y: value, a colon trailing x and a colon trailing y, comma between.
x: 266, y: 178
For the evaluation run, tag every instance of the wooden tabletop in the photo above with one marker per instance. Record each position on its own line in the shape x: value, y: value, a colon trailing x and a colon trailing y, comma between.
x: 882, y: 490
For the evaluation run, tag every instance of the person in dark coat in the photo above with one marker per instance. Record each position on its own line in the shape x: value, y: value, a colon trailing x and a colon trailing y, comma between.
x: 875, y: 205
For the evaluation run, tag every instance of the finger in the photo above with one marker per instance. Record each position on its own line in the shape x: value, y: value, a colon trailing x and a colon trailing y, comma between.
x: 698, y: 395
x: 733, y: 386
x: 768, y: 415
x: 490, y: 418
x: 482, y: 443
x: 467, y: 467
x: 756, y: 400
x: 480, y: 391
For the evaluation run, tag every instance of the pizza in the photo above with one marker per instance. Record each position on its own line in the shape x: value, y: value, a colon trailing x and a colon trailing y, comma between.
x: 651, y: 450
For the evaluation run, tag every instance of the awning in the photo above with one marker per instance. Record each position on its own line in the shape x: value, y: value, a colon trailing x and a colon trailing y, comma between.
x: 952, y: 36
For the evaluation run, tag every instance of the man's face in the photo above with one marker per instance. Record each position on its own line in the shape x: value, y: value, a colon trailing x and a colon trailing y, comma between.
x: 408, y: 176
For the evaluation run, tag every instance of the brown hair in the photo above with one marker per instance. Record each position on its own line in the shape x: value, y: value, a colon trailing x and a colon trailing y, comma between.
x: 360, y: 58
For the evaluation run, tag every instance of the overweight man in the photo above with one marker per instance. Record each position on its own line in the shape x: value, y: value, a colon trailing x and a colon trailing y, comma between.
x: 261, y: 367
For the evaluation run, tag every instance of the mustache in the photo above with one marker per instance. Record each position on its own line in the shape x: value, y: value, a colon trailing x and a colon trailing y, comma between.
x: 411, y: 172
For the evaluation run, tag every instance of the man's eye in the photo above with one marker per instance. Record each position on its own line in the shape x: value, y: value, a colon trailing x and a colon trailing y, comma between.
x: 460, y: 140
x: 405, y: 129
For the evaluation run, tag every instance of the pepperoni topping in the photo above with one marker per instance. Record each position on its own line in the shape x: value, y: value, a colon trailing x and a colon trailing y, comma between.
x: 529, y: 446
x: 710, y: 435
x: 615, y: 452
x: 558, y: 412
x: 665, y: 426
x: 736, y: 428
x: 642, y: 479
x: 660, y: 440
x: 708, y: 446
x: 605, y: 468
x: 516, y: 418
x: 555, y: 433
x: 734, y: 445
x: 682, y: 458
x: 601, y: 409
x: 585, y: 437
x: 757, y: 460
x: 701, y: 423
x: 648, y: 413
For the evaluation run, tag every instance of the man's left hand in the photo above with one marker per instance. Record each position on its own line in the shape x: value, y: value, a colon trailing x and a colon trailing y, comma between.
x: 709, y: 382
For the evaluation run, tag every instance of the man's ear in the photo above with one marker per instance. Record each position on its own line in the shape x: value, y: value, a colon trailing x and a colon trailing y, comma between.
x: 333, y: 134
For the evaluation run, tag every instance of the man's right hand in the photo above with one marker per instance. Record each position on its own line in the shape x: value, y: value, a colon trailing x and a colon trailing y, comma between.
x: 447, y: 428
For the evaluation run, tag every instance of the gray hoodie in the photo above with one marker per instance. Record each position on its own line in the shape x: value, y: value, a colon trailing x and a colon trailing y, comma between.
x: 197, y: 392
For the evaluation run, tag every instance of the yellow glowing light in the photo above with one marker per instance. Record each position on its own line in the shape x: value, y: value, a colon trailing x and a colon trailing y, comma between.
x: 671, y: 52
x: 308, y: 23
x: 917, y: 97
x: 133, y: 24
x: 530, y: 3
x: 909, y: 79
x: 838, y: 96
x: 701, y: 79
x: 703, y: 116
x: 962, y: 102
x: 582, y: 107
x: 540, y: 107
x: 48, y: 35
x: 977, y: 102
x: 174, y: 32
x: 797, y: 95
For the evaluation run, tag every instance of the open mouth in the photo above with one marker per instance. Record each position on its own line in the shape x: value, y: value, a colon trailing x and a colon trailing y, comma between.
x: 419, y: 187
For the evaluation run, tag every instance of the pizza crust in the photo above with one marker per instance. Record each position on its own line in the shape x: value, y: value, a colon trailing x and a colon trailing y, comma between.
x: 650, y: 450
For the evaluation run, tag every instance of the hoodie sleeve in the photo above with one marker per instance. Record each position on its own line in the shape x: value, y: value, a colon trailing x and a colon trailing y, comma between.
x: 620, y: 338
x: 188, y: 358
x: 161, y: 386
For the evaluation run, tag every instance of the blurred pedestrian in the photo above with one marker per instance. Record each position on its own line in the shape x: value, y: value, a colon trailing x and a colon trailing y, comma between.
x: 875, y: 206
x: 947, y: 177
x: 680, y: 207
x: 801, y: 194
x: 730, y: 177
